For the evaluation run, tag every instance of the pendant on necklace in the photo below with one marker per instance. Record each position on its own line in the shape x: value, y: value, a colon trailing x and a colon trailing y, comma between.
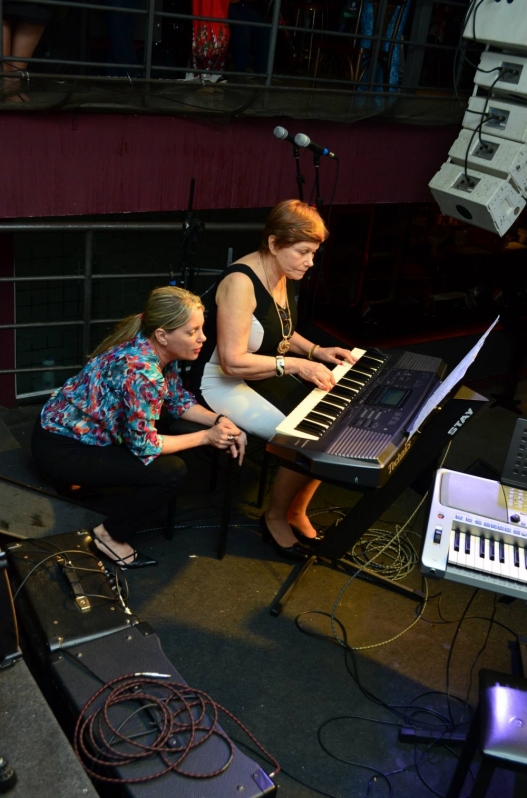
x: 283, y: 347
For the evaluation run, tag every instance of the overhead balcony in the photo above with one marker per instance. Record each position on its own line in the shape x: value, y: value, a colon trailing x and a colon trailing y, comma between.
x: 398, y: 61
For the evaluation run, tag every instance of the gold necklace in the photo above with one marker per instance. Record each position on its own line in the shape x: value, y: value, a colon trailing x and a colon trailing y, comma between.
x: 284, y: 344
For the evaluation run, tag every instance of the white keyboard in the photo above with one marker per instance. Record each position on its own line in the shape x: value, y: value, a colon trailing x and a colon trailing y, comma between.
x: 476, y: 534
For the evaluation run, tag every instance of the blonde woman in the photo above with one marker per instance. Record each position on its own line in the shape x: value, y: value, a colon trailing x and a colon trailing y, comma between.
x: 99, y: 429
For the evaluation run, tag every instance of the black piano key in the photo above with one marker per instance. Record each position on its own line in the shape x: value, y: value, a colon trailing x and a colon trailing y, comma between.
x: 482, y: 547
x: 341, y: 393
x: 328, y: 407
x: 352, y: 388
x: 502, y: 551
x: 350, y: 376
x: 456, y: 540
x: 347, y: 390
x: 311, y: 429
x: 361, y: 376
x: 322, y: 419
x: 467, y: 543
x: 353, y: 381
x: 316, y: 422
x: 336, y: 401
x: 370, y: 361
x: 492, y: 555
x: 365, y: 372
x: 516, y: 557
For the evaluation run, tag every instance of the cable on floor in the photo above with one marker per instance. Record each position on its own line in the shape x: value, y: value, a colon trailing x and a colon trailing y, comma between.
x: 183, y: 720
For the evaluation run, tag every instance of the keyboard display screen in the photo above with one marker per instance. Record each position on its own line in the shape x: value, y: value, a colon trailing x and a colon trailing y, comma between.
x: 392, y: 397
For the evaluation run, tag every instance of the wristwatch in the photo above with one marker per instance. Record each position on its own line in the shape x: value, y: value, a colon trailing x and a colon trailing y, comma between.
x: 280, y: 366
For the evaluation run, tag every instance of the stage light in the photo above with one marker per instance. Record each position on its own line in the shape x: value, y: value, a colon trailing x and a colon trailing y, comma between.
x: 503, y: 73
x: 498, y: 157
x: 498, y: 117
x: 500, y: 23
x: 484, y: 181
x: 483, y: 200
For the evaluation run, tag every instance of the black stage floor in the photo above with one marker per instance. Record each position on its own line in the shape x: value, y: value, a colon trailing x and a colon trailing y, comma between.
x: 329, y: 717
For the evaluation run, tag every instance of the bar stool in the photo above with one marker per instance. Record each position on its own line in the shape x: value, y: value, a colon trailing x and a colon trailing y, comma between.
x: 182, y: 427
x: 498, y: 730
x: 312, y: 16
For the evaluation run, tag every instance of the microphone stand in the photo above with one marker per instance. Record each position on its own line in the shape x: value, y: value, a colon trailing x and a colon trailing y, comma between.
x: 192, y: 226
x: 299, y: 176
x: 307, y: 314
x: 316, y: 163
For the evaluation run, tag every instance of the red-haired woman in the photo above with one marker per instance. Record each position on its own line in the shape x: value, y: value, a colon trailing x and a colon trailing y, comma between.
x: 250, y: 365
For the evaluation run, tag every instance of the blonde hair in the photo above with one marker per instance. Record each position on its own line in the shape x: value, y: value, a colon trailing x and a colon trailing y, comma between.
x: 292, y: 221
x: 167, y: 307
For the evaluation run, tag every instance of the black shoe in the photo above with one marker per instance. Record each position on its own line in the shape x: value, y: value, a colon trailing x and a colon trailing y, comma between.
x: 134, y: 560
x: 304, y: 540
x: 294, y: 552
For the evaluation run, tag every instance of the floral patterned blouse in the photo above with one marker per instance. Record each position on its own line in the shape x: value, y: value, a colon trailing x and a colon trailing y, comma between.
x: 117, y: 398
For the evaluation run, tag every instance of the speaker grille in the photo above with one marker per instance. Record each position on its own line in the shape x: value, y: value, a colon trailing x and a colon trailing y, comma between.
x: 362, y: 444
x: 415, y: 362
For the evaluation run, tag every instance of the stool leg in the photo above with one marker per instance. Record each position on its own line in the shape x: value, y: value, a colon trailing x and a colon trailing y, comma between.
x: 463, y: 763
x: 171, y: 519
x: 226, y: 510
x: 214, y: 470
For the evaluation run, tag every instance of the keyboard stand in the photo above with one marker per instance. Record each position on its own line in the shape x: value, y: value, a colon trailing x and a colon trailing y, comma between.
x: 422, y: 457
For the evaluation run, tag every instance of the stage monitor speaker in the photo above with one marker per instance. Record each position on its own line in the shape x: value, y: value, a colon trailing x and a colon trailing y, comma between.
x: 68, y: 597
x: 513, y: 78
x: 506, y: 119
x: 484, y: 200
x: 500, y: 23
x: 494, y: 156
x: 216, y: 768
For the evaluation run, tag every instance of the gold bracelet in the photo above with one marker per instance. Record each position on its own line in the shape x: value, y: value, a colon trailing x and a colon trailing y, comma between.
x: 312, y: 351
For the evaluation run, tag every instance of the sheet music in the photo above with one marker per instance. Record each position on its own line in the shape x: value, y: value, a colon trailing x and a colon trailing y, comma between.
x: 447, y: 385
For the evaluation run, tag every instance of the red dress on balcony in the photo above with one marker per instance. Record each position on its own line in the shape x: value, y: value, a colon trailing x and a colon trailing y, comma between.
x: 209, y: 39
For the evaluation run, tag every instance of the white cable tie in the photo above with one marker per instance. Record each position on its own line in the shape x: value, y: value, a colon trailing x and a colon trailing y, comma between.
x: 157, y: 675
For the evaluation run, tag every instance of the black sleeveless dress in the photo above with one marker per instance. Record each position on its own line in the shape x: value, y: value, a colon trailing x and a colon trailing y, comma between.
x: 283, y: 393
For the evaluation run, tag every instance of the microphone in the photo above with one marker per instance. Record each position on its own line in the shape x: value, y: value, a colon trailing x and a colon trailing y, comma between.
x: 304, y: 141
x: 282, y: 133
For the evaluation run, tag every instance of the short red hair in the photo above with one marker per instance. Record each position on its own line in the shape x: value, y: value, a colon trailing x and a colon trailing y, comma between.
x: 292, y: 221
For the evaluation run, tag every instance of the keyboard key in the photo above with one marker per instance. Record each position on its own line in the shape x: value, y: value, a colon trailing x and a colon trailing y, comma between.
x: 471, y: 549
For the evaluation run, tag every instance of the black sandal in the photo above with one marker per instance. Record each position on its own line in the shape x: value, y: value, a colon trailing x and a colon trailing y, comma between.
x: 138, y: 560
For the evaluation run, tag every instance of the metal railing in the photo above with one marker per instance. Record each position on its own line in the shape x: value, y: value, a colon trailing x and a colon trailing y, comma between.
x: 370, y: 49
x: 88, y: 276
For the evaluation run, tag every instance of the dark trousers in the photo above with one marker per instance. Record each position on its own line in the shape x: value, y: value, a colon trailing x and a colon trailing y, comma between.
x: 247, y: 41
x: 121, y: 31
x: 67, y: 461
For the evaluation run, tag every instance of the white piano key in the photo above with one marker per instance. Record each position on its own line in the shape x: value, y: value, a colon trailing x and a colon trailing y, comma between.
x: 515, y: 562
x: 522, y: 570
x: 505, y: 567
x: 452, y: 553
x: 495, y: 563
x: 470, y: 560
x: 484, y: 564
